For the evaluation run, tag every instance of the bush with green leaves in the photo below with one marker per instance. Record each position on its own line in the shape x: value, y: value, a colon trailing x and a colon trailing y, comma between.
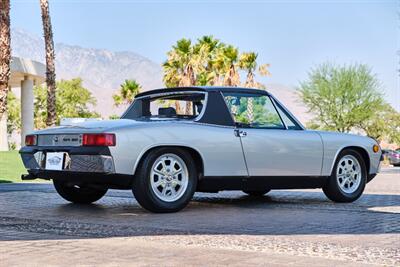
x: 344, y: 98
x: 13, y: 112
x: 72, y: 101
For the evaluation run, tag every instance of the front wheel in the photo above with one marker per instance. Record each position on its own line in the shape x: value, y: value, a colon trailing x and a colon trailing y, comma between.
x: 82, y: 194
x: 348, y: 178
x: 166, y: 180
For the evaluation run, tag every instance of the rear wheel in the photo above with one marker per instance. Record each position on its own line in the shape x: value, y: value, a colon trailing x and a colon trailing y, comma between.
x: 256, y: 193
x: 348, y: 178
x: 83, y: 194
x: 166, y: 180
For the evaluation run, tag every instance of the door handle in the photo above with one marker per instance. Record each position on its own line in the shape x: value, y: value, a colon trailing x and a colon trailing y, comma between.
x: 240, y: 133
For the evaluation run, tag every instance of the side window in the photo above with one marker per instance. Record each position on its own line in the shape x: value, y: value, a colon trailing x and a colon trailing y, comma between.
x: 256, y: 111
x: 290, y: 124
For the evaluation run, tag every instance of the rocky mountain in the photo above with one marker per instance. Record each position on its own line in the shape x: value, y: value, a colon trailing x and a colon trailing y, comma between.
x: 103, y: 71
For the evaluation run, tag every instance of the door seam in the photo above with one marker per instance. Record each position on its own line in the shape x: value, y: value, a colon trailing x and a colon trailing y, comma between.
x: 244, y: 155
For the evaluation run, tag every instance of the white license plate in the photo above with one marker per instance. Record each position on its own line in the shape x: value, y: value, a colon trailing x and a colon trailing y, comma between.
x: 55, y: 160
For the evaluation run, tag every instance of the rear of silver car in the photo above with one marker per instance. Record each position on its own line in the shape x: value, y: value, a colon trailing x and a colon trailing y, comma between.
x: 72, y: 157
x: 65, y: 152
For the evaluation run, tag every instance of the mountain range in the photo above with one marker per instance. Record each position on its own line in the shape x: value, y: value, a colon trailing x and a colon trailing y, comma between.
x: 102, y: 71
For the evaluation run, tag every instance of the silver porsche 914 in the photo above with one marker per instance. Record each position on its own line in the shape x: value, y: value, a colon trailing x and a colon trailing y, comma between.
x: 173, y: 142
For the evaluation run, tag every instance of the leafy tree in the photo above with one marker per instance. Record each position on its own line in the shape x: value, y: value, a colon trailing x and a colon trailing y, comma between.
x: 384, y: 124
x: 342, y: 97
x: 73, y: 100
x: 127, y: 92
x: 14, y: 113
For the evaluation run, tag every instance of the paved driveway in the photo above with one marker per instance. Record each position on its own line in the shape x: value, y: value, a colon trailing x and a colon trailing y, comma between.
x: 299, y: 227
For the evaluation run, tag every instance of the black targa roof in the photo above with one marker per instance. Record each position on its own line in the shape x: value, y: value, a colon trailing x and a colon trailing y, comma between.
x: 203, y: 89
x: 216, y: 111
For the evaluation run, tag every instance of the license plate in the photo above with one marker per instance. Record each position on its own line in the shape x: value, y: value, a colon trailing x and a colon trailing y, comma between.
x: 55, y: 160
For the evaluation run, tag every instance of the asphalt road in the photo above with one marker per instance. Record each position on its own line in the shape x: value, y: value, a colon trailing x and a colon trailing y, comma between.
x: 300, y: 227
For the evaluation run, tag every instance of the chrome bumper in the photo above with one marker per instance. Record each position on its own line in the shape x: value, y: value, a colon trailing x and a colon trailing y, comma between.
x: 78, y: 163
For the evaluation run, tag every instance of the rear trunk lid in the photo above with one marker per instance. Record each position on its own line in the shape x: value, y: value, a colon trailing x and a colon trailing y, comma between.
x: 71, y: 135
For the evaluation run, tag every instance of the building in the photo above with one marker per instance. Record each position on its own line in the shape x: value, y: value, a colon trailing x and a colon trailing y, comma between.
x: 25, y: 73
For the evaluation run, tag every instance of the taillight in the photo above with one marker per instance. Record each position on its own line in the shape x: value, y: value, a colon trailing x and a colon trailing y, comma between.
x: 31, y: 140
x: 102, y: 139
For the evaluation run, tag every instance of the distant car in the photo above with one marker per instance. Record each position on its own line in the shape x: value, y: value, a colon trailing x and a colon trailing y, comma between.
x: 394, y: 157
x: 173, y: 142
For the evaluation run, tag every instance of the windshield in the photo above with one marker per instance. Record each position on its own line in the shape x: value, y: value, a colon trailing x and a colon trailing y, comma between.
x: 187, y: 106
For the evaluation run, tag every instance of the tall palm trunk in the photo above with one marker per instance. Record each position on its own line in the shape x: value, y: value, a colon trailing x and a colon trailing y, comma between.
x: 50, y: 64
x: 232, y: 78
x: 250, y: 105
x: 191, y: 81
x: 5, y: 58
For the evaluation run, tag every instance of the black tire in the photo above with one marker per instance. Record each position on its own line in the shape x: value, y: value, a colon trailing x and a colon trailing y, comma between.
x: 142, y: 189
x: 78, y: 194
x: 256, y: 193
x: 332, y: 189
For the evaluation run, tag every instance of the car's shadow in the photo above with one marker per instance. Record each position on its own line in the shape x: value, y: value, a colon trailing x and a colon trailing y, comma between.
x: 278, y: 213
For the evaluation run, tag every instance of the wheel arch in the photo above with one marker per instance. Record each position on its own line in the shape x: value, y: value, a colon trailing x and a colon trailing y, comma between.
x: 194, y: 153
x: 363, y: 152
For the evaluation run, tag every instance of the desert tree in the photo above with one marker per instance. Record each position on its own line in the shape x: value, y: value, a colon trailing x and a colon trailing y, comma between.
x: 341, y: 97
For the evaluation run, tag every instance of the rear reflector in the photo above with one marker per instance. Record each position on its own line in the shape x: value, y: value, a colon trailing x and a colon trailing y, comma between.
x: 102, y: 139
x: 31, y: 140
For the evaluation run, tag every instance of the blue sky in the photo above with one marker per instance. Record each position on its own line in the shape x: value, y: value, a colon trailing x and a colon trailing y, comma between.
x: 293, y: 36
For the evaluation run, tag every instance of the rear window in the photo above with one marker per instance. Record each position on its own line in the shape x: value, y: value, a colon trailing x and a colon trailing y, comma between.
x: 167, y: 106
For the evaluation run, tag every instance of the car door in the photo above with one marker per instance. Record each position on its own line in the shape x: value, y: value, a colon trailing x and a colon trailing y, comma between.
x: 273, y: 143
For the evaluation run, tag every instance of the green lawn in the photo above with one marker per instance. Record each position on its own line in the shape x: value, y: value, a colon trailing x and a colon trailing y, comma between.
x: 11, y: 167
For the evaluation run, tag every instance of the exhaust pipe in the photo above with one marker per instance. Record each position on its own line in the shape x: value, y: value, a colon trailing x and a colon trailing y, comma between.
x: 29, y: 176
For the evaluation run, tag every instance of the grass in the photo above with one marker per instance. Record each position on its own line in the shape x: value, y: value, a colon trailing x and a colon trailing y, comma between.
x: 11, y: 167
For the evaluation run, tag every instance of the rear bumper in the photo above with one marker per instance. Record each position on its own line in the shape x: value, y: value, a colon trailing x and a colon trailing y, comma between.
x: 106, y: 180
x: 87, y: 165
x: 81, y: 159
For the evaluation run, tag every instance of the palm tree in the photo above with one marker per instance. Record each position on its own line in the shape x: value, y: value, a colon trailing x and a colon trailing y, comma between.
x: 213, y: 67
x: 127, y: 92
x: 5, y: 58
x: 50, y: 64
x: 231, y: 76
x: 178, y: 70
x: 248, y: 62
x: 185, y: 62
